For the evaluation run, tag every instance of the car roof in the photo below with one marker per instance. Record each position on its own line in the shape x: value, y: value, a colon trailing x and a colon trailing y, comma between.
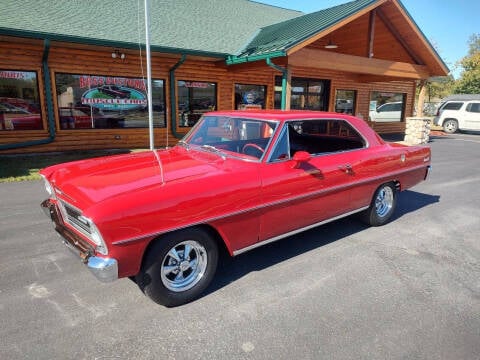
x: 280, y: 114
x: 303, y: 115
x: 462, y: 97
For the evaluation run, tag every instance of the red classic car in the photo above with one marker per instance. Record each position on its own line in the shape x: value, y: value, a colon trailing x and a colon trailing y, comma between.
x: 233, y: 182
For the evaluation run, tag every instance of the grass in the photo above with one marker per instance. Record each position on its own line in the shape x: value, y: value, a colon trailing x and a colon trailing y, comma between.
x: 26, y: 167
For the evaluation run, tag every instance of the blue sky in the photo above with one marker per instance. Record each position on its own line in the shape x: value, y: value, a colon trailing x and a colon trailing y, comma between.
x: 447, y: 24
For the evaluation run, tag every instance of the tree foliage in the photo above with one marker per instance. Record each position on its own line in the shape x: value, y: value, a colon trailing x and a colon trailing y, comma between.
x: 469, y: 82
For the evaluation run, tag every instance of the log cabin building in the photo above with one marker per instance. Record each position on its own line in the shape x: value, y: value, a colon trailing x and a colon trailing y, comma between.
x: 73, y: 73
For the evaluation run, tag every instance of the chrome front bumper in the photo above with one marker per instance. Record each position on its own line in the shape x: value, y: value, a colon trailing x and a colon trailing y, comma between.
x: 104, y: 269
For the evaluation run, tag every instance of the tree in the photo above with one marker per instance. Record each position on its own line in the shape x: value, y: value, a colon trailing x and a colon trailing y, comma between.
x: 469, y: 82
x: 430, y: 90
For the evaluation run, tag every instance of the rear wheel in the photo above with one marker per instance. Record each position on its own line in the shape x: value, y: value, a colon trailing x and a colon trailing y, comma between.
x: 382, y: 206
x: 179, y: 267
x: 450, y: 126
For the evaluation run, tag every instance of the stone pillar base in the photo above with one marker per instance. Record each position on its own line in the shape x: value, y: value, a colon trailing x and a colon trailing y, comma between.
x: 417, y: 130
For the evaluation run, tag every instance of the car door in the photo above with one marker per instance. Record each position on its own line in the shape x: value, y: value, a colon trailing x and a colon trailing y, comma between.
x: 297, y: 194
x: 472, y: 116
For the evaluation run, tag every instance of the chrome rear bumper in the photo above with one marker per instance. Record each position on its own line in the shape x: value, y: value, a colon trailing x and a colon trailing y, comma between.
x: 104, y: 269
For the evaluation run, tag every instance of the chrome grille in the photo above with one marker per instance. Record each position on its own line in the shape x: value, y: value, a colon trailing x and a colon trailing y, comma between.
x: 74, y: 217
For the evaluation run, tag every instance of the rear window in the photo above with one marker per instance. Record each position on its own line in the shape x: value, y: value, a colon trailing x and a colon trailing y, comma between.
x: 452, y: 106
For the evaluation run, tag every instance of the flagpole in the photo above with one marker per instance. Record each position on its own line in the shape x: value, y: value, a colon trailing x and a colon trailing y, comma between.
x: 149, y: 74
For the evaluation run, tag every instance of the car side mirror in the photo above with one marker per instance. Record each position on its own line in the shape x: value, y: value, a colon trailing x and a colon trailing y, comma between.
x: 301, y: 157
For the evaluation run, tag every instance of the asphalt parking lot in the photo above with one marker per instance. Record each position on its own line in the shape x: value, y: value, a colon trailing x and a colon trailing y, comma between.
x: 407, y: 290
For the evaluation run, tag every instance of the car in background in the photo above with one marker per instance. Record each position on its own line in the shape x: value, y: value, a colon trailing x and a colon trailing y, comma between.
x: 17, y: 118
x: 31, y: 107
x: 236, y: 181
x: 344, y: 106
x: 455, y: 115
x: 387, y: 112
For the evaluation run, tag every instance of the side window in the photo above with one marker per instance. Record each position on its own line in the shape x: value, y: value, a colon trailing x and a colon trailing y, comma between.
x: 322, y: 136
x: 473, y: 107
x: 452, y: 106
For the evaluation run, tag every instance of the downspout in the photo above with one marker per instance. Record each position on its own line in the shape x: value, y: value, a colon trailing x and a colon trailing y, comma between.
x: 173, y: 98
x: 48, y: 98
x: 284, y: 81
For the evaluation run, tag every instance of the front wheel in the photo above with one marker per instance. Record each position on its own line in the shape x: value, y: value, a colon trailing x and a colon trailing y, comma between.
x: 179, y: 267
x: 450, y: 126
x: 382, y: 206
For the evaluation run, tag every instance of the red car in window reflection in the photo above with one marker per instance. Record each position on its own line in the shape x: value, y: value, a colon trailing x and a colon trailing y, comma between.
x: 238, y: 180
x: 84, y: 117
x: 17, y: 118
x: 115, y: 91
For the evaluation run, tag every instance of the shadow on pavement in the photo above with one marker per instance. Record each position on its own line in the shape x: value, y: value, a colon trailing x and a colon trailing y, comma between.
x: 231, y: 269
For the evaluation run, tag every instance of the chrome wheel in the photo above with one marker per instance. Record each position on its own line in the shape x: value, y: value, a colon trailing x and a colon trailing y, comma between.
x: 384, y: 201
x: 184, y: 266
x: 450, y: 126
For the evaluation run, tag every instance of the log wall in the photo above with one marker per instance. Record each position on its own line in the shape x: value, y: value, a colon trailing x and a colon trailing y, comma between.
x: 18, y: 54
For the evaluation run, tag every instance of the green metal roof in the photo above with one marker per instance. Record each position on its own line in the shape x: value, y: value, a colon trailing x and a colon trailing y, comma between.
x: 278, y: 38
x: 235, y: 30
x: 215, y: 27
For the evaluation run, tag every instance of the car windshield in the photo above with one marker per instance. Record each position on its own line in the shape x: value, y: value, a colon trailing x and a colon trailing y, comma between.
x: 231, y: 136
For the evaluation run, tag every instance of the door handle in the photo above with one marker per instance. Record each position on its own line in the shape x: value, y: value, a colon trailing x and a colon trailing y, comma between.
x: 347, y: 168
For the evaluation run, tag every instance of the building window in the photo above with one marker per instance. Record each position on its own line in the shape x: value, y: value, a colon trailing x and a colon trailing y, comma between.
x: 106, y: 102
x: 19, y: 101
x: 306, y: 94
x: 386, y: 106
x: 250, y: 96
x: 194, y: 99
x: 345, y: 101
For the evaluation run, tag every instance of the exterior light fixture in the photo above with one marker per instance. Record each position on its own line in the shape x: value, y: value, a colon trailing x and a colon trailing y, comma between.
x: 331, y: 45
x: 116, y: 54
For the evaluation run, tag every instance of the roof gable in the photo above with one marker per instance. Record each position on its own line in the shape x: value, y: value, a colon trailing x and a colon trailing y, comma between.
x: 287, y: 37
x: 284, y: 35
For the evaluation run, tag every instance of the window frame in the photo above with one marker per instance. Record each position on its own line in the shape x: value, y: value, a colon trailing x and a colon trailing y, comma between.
x: 324, y: 94
x: 40, y: 97
x: 181, y: 113
x: 58, y: 117
x: 354, y: 103
x: 284, y: 131
x: 265, y: 89
x: 393, y: 95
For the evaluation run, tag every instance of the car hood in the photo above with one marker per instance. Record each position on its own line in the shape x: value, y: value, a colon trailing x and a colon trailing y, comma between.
x: 86, y: 182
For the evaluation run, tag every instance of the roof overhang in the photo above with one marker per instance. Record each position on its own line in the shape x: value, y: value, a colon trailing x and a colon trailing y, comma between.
x: 107, y: 43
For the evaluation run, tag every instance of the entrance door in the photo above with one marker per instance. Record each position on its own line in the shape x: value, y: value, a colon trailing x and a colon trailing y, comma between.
x: 306, y: 94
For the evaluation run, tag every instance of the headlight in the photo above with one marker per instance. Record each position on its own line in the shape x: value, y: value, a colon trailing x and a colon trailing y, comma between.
x: 48, y: 187
x: 94, y: 235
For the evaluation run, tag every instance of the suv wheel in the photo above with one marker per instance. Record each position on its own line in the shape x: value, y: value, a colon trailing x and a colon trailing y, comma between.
x: 450, y: 126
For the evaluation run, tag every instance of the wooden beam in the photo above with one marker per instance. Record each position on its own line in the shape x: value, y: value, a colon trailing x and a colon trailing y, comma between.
x: 334, y: 27
x: 362, y: 78
x: 371, y: 33
x: 421, y: 97
x: 288, y: 101
x: 314, y: 58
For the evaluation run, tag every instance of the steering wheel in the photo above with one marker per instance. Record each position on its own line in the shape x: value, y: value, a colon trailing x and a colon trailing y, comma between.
x: 254, y: 146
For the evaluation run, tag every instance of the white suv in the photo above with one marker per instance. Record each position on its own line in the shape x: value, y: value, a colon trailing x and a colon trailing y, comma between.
x: 456, y: 115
